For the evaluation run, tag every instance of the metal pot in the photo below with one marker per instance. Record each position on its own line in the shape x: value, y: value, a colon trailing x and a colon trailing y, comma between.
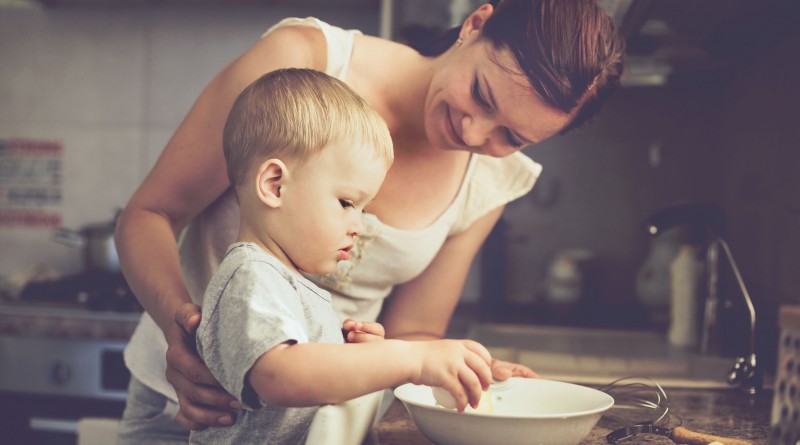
x: 97, y: 242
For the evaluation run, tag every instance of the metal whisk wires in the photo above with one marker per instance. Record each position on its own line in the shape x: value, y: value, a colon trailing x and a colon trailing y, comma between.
x: 643, y: 398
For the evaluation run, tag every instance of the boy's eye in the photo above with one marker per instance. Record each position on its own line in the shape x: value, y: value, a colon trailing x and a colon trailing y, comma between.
x: 345, y: 203
x: 478, y: 96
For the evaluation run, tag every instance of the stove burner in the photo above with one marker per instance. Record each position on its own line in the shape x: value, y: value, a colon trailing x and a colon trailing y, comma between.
x: 93, y: 290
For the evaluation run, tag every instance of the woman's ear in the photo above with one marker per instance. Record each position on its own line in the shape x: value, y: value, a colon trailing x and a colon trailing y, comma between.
x: 476, y: 20
x: 270, y: 178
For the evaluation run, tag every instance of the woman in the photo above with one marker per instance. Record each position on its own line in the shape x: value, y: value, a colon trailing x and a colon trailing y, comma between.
x: 509, y: 77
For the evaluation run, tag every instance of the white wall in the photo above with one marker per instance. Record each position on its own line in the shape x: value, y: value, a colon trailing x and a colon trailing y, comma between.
x: 111, y: 85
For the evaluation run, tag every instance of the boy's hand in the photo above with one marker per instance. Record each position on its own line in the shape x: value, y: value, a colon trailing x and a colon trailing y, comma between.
x: 462, y: 367
x: 362, y: 331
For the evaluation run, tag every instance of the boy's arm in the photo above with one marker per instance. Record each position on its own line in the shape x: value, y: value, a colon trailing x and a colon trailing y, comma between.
x: 315, y: 373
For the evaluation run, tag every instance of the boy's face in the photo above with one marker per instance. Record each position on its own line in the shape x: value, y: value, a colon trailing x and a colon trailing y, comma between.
x: 321, y: 205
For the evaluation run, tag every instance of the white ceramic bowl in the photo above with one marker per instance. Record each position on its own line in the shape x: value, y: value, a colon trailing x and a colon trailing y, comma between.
x: 526, y: 411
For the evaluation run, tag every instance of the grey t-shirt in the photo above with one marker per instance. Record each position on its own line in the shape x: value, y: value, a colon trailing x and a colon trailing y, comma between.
x: 252, y: 304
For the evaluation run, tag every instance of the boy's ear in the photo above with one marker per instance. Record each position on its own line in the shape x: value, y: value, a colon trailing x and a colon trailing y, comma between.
x: 270, y: 178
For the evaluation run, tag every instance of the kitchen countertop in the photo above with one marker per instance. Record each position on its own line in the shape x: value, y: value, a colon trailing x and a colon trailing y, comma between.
x: 729, y: 413
x: 65, y: 322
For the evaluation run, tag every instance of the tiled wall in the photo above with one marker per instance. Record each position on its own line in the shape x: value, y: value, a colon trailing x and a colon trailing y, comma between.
x: 112, y: 85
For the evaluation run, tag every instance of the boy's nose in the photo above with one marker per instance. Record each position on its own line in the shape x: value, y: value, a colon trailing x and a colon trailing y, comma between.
x: 356, y: 226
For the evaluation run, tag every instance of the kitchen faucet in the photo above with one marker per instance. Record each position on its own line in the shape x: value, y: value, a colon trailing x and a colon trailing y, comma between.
x: 745, y: 371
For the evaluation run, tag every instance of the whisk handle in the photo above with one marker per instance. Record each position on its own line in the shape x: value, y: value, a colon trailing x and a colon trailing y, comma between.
x: 685, y: 436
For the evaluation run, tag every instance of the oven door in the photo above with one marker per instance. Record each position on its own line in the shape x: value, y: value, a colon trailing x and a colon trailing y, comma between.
x: 47, y: 385
x: 49, y: 420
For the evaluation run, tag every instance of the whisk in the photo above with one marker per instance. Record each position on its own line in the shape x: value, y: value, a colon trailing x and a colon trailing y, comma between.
x: 642, y: 404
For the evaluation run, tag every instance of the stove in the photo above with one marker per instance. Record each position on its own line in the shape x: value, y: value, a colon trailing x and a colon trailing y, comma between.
x: 91, y: 290
x: 61, y: 356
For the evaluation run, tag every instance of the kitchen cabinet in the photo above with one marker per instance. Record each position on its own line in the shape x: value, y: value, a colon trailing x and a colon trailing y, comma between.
x: 728, y: 413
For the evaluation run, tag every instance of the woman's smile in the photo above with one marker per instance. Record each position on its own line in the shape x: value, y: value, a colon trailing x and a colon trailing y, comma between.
x: 453, y: 133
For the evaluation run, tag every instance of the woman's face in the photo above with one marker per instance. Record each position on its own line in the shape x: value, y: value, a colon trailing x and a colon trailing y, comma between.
x: 476, y: 104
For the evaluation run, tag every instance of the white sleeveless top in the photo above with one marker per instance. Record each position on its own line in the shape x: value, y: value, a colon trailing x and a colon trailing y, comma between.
x: 383, y: 256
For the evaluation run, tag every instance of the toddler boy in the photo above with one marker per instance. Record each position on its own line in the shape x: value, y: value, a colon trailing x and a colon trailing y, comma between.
x: 305, y: 155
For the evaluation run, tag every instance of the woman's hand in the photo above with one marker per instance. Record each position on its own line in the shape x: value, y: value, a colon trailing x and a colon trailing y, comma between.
x: 362, y: 331
x: 202, y: 401
x: 503, y: 370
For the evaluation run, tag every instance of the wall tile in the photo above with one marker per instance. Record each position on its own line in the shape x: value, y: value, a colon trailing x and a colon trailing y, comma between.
x: 67, y: 66
x: 185, y: 50
x: 155, y: 138
x: 187, y: 47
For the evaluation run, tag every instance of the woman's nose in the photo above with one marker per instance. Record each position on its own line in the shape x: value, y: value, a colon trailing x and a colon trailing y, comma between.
x: 476, y: 129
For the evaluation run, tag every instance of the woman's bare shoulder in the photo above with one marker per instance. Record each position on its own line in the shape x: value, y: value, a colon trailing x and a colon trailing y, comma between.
x: 295, y: 46
x: 376, y: 64
x: 369, y: 48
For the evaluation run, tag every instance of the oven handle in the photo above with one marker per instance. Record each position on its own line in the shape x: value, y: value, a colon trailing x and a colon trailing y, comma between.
x: 54, y: 425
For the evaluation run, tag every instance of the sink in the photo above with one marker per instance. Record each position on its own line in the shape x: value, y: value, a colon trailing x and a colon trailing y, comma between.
x: 599, y: 356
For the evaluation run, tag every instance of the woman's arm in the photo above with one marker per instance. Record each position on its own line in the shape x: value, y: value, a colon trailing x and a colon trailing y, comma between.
x: 291, y: 375
x: 189, y: 175
x: 421, y: 308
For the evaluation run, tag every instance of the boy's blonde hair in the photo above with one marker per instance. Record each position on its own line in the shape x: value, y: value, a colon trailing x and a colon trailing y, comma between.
x: 293, y: 114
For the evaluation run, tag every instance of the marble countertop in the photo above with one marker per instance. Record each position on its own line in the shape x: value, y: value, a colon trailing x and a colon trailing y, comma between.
x: 728, y: 413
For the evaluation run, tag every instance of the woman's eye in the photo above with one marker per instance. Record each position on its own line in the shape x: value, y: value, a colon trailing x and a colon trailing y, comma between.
x: 512, y: 140
x: 345, y: 203
x: 476, y: 94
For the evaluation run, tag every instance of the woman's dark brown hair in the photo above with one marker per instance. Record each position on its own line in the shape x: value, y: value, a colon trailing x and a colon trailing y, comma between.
x: 567, y: 49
